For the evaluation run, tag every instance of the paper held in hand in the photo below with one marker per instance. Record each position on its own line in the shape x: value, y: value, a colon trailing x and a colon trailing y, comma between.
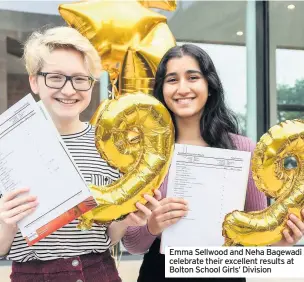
x: 214, y: 182
x: 32, y: 154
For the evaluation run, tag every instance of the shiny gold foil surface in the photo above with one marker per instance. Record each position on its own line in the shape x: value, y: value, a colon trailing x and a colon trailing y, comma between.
x: 135, y: 134
x: 169, y: 5
x: 278, y: 171
x: 130, y: 38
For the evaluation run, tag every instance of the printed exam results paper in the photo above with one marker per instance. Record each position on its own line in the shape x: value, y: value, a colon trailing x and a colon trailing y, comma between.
x: 32, y: 154
x: 214, y: 182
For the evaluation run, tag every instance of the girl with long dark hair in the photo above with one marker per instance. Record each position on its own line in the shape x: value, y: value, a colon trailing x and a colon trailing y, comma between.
x: 188, y: 85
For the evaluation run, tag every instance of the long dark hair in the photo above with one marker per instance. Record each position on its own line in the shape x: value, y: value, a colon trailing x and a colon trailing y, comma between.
x: 217, y: 121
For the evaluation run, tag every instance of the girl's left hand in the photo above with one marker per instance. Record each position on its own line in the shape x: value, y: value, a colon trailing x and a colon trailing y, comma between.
x: 117, y: 229
x: 139, y: 218
x: 296, y: 232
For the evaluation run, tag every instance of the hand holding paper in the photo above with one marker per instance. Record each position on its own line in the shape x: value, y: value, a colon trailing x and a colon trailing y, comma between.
x: 169, y: 211
x: 41, y: 162
x: 15, y: 206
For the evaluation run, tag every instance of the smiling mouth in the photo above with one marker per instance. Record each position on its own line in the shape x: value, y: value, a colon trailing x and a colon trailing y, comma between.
x: 184, y: 101
x: 67, y: 101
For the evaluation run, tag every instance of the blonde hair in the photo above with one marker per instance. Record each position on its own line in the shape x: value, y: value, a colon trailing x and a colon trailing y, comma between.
x: 41, y: 43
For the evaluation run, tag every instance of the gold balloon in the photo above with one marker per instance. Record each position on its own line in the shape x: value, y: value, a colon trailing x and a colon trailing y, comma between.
x: 169, y: 5
x: 277, y: 168
x: 130, y: 38
x: 135, y: 134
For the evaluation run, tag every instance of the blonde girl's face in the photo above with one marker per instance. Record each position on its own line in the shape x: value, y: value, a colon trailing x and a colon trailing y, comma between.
x: 65, y: 103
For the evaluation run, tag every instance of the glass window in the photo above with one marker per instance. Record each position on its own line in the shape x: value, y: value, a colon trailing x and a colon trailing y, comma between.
x: 286, y: 59
x: 290, y: 83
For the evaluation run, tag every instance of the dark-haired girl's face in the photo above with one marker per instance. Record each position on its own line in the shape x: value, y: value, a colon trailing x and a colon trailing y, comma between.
x: 185, y: 89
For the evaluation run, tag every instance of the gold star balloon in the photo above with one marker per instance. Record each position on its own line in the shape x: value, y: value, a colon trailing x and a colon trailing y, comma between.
x: 130, y: 38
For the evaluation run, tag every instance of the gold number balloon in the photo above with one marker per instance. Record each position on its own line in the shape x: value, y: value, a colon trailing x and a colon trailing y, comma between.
x: 278, y: 170
x: 135, y: 134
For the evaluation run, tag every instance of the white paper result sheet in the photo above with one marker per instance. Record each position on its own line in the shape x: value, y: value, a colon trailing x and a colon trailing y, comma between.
x: 214, y: 182
x: 33, y: 155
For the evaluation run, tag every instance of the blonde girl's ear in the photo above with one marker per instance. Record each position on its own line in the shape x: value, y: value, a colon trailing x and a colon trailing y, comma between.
x: 33, y: 80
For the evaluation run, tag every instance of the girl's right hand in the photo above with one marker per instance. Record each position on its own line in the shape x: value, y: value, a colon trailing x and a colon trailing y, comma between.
x: 14, y: 206
x: 168, y: 212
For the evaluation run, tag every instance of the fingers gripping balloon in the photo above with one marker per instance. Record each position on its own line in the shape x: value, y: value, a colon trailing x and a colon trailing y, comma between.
x: 136, y: 136
x: 278, y: 170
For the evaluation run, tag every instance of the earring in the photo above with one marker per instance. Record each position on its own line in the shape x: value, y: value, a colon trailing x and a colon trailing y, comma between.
x: 209, y: 94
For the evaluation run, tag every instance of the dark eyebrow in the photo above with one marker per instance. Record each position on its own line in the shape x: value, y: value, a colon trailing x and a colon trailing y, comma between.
x: 188, y: 72
x: 73, y: 74
x: 194, y: 71
x: 170, y: 74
